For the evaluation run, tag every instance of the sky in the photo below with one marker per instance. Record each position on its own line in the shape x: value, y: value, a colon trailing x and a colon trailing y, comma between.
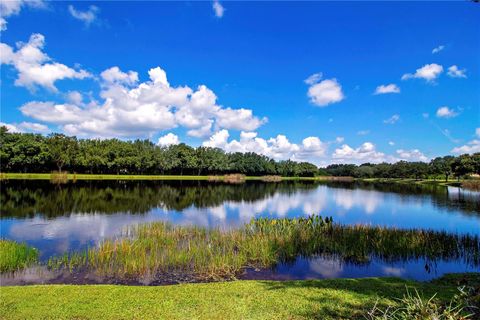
x: 325, y: 82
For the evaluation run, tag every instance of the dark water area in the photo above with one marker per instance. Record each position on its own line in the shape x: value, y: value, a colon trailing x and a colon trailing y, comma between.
x: 62, y: 218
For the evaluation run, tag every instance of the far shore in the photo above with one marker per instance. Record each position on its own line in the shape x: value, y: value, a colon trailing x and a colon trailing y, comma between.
x: 87, y: 176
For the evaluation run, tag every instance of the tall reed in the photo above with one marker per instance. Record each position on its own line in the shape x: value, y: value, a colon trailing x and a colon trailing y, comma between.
x: 15, y: 256
x: 162, y: 249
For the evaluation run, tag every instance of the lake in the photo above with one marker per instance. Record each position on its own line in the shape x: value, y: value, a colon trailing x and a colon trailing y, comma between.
x: 66, y: 217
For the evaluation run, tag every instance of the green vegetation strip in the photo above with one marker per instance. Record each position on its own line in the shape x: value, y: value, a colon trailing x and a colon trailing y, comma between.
x: 72, y: 177
x: 15, y: 256
x: 319, y: 299
x: 212, y: 254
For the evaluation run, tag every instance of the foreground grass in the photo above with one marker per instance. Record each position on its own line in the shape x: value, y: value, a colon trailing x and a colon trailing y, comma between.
x: 15, y: 256
x: 318, y: 299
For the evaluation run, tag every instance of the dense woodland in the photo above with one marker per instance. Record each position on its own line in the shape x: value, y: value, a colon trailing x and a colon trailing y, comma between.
x: 35, y: 153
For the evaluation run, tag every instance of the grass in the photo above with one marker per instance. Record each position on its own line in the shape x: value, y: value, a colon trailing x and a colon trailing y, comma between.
x: 212, y: 254
x: 438, y: 182
x: 15, y: 256
x: 317, y: 299
x: 77, y: 176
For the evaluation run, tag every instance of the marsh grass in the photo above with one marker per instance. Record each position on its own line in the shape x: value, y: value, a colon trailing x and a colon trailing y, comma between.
x: 57, y: 177
x: 471, y: 184
x: 212, y: 254
x: 271, y: 178
x: 15, y: 256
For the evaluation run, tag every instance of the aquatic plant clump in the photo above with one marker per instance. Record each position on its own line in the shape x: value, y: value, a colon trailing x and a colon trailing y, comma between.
x: 15, y: 256
x: 212, y: 254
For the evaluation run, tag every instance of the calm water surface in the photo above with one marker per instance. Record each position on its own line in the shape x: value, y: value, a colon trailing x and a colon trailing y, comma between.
x: 61, y: 218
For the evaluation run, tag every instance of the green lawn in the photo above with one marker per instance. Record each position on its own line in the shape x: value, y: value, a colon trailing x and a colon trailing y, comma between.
x: 47, y: 176
x: 318, y: 299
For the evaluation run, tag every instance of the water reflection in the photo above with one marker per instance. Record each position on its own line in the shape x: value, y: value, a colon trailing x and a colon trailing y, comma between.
x: 68, y: 217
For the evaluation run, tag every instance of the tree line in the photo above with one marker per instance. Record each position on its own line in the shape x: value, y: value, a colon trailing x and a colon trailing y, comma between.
x: 36, y: 153
x: 438, y: 168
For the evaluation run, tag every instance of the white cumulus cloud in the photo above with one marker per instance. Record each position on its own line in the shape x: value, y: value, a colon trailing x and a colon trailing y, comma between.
x: 129, y: 109
x: 455, y: 72
x: 389, y: 88
x: 26, y: 127
x: 446, y: 112
x: 324, y: 92
x: 428, y: 72
x: 13, y: 7
x: 411, y: 155
x: 34, y: 67
x: 279, y: 147
x: 115, y: 75
x: 366, y: 152
x: 168, y: 140
x: 471, y: 147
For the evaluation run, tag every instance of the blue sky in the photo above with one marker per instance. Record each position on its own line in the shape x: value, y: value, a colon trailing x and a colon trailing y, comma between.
x: 83, y: 68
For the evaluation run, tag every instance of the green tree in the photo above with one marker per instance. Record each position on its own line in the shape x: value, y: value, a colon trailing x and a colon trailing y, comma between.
x: 63, y: 149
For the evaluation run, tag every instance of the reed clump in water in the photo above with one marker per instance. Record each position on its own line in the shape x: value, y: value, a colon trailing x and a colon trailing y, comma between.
x: 15, y: 256
x: 213, y: 254
x: 472, y: 184
x: 271, y: 178
x: 57, y: 177
x: 228, y: 178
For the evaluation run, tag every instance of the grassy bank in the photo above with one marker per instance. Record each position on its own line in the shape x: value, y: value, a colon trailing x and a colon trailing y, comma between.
x: 319, y: 299
x: 73, y: 177
x: 15, y: 256
x: 212, y: 254
x: 438, y: 182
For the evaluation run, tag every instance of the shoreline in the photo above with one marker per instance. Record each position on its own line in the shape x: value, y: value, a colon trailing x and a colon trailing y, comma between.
x: 213, y: 178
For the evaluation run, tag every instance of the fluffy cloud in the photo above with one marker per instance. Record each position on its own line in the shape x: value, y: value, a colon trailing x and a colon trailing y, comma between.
x: 26, y: 127
x: 114, y: 75
x: 218, y: 9
x: 471, y: 147
x: 389, y: 88
x: 324, y: 92
x: 428, y: 72
x: 279, y: 148
x: 129, y: 108
x: 364, y: 153
x: 446, y: 112
x: 13, y: 7
x: 411, y: 155
x: 392, y: 120
x: 454, y: 72
x: 168, y: 140
x: 87, y: 17
x: 34, y: 67
x: 438, y: 49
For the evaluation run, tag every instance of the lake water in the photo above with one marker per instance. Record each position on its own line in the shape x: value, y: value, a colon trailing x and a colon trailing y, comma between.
x: 61, y: 218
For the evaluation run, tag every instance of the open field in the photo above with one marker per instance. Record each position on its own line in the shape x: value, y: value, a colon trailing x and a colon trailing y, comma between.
x: 317, y: 299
